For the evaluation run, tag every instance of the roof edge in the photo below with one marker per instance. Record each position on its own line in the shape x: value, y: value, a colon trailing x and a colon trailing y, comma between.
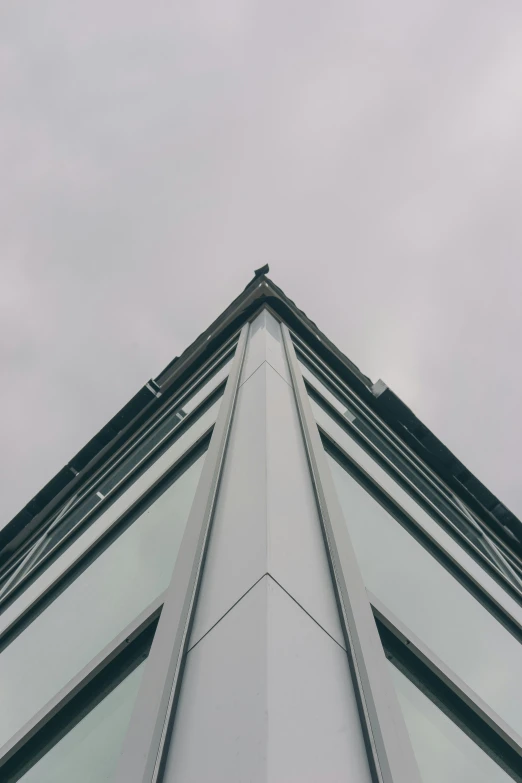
x: 382, y: 400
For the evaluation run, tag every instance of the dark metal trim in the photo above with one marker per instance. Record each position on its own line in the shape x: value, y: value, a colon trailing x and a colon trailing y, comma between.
x: 386, y: 405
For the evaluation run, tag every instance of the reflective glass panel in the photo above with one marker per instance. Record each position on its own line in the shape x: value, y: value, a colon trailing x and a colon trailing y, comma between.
x: 89, y: 752
x: 431, y: 602
x: 104, y: 598
x: 319, y: 386
x: 109, y: 514
x: 444, y: 753
x: 145, y: 446
x: 406, y: 501
x: 211, y: 384
x: 438, y: 497
x: 162, y: 429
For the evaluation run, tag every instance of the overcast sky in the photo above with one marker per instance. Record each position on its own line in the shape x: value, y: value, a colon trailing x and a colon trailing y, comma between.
x: 152, y: 154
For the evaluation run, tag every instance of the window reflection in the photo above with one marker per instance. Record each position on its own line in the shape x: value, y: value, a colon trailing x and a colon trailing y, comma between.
x: 439, y: 497
x: 431, y: 602
x: 408, y: 503
x: 164, y: 427
x: 89, y: 753
x: 319, y: 386
x: 100, y: 603
x: 444, y: 753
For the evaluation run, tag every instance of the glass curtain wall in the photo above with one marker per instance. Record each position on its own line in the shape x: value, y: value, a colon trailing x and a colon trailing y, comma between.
x: 67, y: 685
x: 436, y: 589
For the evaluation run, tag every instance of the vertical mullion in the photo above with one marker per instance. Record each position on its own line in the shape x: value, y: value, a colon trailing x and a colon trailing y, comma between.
x: 388, y: 740
x: 145, y: 744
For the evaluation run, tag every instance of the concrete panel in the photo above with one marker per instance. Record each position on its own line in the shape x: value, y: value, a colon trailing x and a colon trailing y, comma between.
x: 266, y: 696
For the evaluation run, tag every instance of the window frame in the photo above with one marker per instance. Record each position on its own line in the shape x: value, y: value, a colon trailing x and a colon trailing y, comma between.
x: 422, y: 536
x: 67, y: 707
x: 8, y: 585
x: 33, y: 739
x: 36, y: 566
x: 490, y: 731
x: 403, y: 455
x: 96, y: 548
x: 447, y: 691
x: 15, y: 613
x: 426, y: 503
x: 390, y: 754
x: 146, y: 744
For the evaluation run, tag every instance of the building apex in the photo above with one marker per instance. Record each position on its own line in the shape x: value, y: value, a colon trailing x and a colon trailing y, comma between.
x: 263, y: 270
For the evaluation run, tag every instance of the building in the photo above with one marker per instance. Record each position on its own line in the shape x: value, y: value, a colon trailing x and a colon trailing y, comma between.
x: 264, y: 568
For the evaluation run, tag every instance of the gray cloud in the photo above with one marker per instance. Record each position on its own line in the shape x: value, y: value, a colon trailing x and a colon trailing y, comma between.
x: 153, y: 155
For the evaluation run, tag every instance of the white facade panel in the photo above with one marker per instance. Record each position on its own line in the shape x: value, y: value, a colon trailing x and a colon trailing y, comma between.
x: 253, y: 708
x: 237, y: 549
x: 266, y: 519
x: 265, y: 345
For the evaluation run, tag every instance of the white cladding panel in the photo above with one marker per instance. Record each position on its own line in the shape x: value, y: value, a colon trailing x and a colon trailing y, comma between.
x: 265, y: 345
x: 267, y: 696
x: 266, y: 519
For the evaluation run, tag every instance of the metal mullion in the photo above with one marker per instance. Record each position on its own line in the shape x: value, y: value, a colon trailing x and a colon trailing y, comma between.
x: 17, y: 558
x: 146, y: 744
x: 105, y: 536
x: 503, y: 565
x: 391, y: 756
x: 507, y: 737
x: 384, y: 431
x: 374, y: 421
x: 180, y: 397
x: 159, y: 416
x: 25, y: 567
x: 81, y: 680
x: 426, y: 539
x: 126, y: 449
x: 394, y: 442
x: 100, y: 508
x: 439, y: 515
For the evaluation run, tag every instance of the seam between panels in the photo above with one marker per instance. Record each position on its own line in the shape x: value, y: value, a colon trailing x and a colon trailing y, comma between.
x: 265, y: 361
x: 306, y: 612
x: 266, y: 574
x: 227, y: 612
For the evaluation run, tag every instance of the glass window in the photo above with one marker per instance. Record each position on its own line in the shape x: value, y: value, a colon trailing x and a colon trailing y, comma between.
x: 104, y: 598
x: 426, y: 521
x: 319, y: 386
x: 444, y: 753
x: 162, y: 429
x: 89, y: 752
x: 97, y: 527
x: 59, y: 529
x: 437, y: 496
x: 192, y: 403
x: 70, y: 521
x: 431, y: 602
